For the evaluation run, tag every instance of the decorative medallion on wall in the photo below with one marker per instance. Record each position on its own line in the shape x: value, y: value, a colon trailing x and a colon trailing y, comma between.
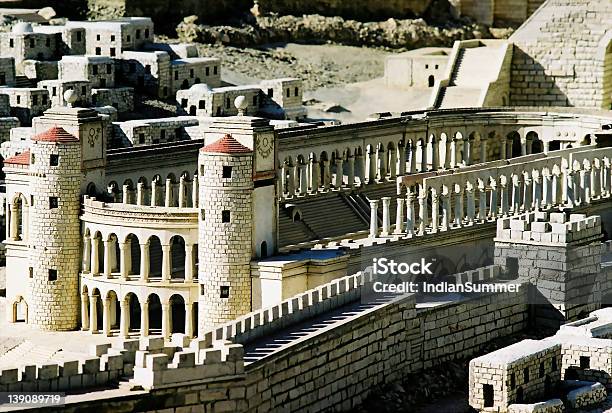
x: 265, y: 144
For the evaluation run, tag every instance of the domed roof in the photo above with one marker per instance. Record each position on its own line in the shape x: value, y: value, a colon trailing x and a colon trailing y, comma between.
x: 22, y: 27
x: 228, y: 145
x: 56, y: 135
x: 200, y: 87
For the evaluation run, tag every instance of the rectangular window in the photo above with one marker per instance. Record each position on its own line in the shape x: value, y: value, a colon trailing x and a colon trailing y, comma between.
x: 112, y: 52
x: 54, y: 160
x: 225, y: 216
x: 98, y: 51
x: 48, y: 42
x: 270, y: 93
x: 34, y: 100
x: 109, y: 69
x: 129, y: 38
x: 31, y: 270
x: 208, y: 71
x: 227, y: 171
x: 215, y: 70
x: 146, y: 33
x: 288, y: 92
x: 84, y: 90
x: 98, y: 37
x: 11, y: 43
x: 112, y: 37
x: 32, y: 43
x: 31, y: 200
x: 53, y: 202
x: 296, y: 91
x: 94, y: 69
x: 52, y: 274
x: 512, y: 381
x: 585, y: 362
x: 18, y: 99
x: 138, y: 34
x: 191, y: 73
x: 202, y: 104
x: 54, y: 91
x: 553, y: 366
x: 184, y: 102
x: 141, y: 138
x: 526, y: 375
x: 542, y: 370
x: 224, y: 293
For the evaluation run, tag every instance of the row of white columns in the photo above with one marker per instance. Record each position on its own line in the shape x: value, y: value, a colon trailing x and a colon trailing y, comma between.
x: 91, y: 259
x: 89, y: 316
x: 160, y: 195
x: 481, y: 203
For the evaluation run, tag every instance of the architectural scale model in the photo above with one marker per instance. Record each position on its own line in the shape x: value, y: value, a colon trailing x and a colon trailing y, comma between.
x: 220, y: 260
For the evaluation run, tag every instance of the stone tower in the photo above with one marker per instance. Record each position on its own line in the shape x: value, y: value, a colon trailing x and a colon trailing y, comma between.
x: 225, y: 168
x: 561, y: 259
x: 55, y: 168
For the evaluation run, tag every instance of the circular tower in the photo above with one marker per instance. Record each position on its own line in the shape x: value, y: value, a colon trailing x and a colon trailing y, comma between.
x: 225, y: 168
x: 55, y: 169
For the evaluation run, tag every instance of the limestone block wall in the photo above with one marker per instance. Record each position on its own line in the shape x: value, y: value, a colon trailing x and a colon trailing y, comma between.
x: 98, y: 70
x: 72, y: 38
x: 27, y: 103
x: 563, y: 56
x: 201, y: 101
x: 56, y: 88
x: 586, y: 358
x: 39, y: 69
x: 189, y: 71
x: 55, y: 236
x: 147, y: 132
x: 22, y: 46
x: 224, y: 246
x: 148, y: 72
x: 121, y: 98
x: 7, y: 71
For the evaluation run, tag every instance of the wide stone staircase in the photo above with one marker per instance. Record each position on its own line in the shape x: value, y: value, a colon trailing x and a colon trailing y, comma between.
x: 29, y: 353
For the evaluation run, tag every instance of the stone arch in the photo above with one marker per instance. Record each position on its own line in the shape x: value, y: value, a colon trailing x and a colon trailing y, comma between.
x: 18, y: 217
x: 133, y: 246
x: 263, y: 249
x: 605, y: 56
x: 533, y: 139
x: 431, y: 81
x: 134, y: 311
x: 177, y: 254
x: 155, y: 314
x: 99, y: 242
x: 155, y: 256
x: 95, y: 292
x: 587, y: 139
x: 177, y: 313
x: 114, y: 309
x: 515, y: 149
x: 20, y: 310
x: 115, y: 252
x: 91, y: 190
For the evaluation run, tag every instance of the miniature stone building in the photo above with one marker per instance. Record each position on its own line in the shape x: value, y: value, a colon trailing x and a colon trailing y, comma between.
x: 149, y: 72
x: 416, y: 68
x: 99, y: 71
x: 27, y: 103
x: 154, y: 131
x: 57, y: 89
x: 186, y: 72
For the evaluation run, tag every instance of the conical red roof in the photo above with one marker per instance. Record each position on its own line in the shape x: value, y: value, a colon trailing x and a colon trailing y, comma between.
x: 22, y: 159
x: 55, y: 134
x: 226, y: 144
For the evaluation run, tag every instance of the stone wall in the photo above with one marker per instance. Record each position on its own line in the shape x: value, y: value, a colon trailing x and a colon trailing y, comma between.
x: 563, y: 56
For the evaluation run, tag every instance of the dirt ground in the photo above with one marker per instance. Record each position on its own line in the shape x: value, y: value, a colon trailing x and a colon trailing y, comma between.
x: 333, y: 75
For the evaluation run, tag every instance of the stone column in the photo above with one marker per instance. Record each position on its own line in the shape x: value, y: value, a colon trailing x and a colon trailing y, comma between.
x: 140, y: 193
x: 453, y: 153
x: 124, y: 250
x: 516, y: 195
x: 189, y: 319
x: 166, y: 326
x: 154, y: 193
x: 435, y: 155
x: 399, y: 216
x: 422, y: 211
x: 107, y: 257
x: 189, y: 264
x: 195, y: 192
x: 402, y: 160
x: 386, y: 225
x: 607, y: 178
x: 585, y: 176
x: 313, y: 169
x: 373, y: 218
x: 294, y: 179
x: 126, y: 194
x: 283, y: 179
x: 413, y: 157
x: 527, y: 201
x: 182, y: 193
x: 371, y: 166
x: 86, y: 253
x: 382, y: 164
x: 409, y: 214
x: 144, y: 318
x: 351, y: 171
x: 504, y: 199
x: 95, y: 263
x: 469, y: 192
x: 361, y: 168
x: 168, y: 198
x: 493, y: 209
x: 326, y: 175
x: 424, y: 157
x: 546, y: 191
x: 446, y: 211
x: 93, y: 312
x: 339, y: 173
x: 124, y: 322
x: 467, y: 151
x: 144, y: 262
x: 166, y: 263
x: 555, y: 190
x: 84, y: 312
x: 523, y: 146
x: 537, y: 193
x: 435, y: 210
x: 459, y: 207
x: 392, y: 159
x: 303, y: 180
x: 106, y: 316
x: 596, y: 191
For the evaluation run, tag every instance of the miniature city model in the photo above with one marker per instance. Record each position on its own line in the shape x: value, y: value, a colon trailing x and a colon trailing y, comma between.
x: 219, y: 260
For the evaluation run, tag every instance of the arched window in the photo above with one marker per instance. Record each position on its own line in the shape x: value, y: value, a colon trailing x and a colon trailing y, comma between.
x: 263, y: 249
x: 431, y: 81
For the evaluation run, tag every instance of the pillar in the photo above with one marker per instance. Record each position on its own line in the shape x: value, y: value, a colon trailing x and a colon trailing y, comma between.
x: 537, y: 193
x: 435, y: 220
x: 446, y: 211
x: 93, y: 312
x: 168, y: 198
x: 339, y: 173
x: 144, y: 318
x: 351, y: 171
x: 144, y: 262
x: 483, y: 150
x: 422, y: 210
x: 166, y: 263
x: 413, y: 157
x: 95, y: 263
x: 467, y: 151
x: 482, y: 202
x: 326, y: 175
x: 126, y: 194
x: 84, y: 312
x: 459, y: 207
x: 189, y: 319
x: 371, y: 166
x: 392, y: 159
x: 493, y: 208
x: 402, y: 160
x: 124, y: 322
x: 194, y: 192
x: 166, y: 327
x: 139, y: 193
x: 399, y: 216
x: 313, y: 169
x: 86, y: 253
x: 424, y: 157
x: 107, y: 257
x: 435, y: 155
x: 382, y: 164
x: 386, y: 224
x: 504, y: 199
x: 516, y: 195
x: 182, y: 193
x: 527, y: 201
x: 409, y: 213
x: 14, y: 222
x: 154, y: 193
x: 124, y: 250
x: 189, y: 264
x: 373, y: 218
x: 469, y: 194
x: 303, y: 179
x: 283, y: 181
x: 106, y: 316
